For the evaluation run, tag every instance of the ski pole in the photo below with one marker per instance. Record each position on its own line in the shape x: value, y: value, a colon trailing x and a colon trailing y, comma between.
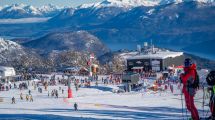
x: 182, y: 105
x: 203, y: 103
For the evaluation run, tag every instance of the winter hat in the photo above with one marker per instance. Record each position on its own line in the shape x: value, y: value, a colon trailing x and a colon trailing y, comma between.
x: 187, y: 62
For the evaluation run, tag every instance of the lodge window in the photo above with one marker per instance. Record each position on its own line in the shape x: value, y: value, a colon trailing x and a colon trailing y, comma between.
x: 130, y: 63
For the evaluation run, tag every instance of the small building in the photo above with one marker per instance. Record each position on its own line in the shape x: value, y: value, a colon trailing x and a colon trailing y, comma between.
x: 130, y: 80
x: 7, y: 73
x: 83, y: 71
x: 76, y: 71
x: 153, y: 59
x: 72, y: 70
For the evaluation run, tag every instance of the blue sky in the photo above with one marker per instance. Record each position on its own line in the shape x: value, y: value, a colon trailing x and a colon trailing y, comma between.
x: 72, y: 3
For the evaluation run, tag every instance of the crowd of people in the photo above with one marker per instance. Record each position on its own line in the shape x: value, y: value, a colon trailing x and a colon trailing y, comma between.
x: 189, y: 80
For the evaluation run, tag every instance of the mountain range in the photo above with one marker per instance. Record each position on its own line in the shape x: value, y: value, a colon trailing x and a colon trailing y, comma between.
x: 168, y: 23
x: 24, y: 11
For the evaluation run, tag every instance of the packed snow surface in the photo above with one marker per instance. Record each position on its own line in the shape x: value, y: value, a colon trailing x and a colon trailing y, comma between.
x: 95, y: 102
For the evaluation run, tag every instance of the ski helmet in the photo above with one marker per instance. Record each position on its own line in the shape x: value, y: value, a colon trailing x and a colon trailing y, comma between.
x: 187, y: 62
x: 211, y: 78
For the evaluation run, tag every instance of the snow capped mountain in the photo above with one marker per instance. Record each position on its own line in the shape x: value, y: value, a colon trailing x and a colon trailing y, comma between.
x: 50, y: 10
x: 162, y: 2
x: 136, y: 3
x: 23, y: 11
x: 120, y: 3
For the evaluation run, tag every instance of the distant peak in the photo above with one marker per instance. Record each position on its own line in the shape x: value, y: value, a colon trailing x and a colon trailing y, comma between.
x: 120, y: 3
x: 136, y: 3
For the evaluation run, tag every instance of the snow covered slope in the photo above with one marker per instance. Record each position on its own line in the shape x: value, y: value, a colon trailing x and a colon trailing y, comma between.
x: 10, y: 50
x: 8, y: 45
x: 96, y: 103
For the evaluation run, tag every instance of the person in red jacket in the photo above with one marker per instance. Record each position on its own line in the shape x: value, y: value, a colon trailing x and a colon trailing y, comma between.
x: 188, y: 78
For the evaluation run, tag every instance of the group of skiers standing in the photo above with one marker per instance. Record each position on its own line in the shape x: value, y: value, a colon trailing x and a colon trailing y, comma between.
x: 28, y: 97
x: 54, y: 93
x: 190, y: 81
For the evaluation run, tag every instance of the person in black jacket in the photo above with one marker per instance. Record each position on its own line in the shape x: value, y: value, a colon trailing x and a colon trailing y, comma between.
x: 211, y: 82
x: 75, y: 106
x: 13, y: 100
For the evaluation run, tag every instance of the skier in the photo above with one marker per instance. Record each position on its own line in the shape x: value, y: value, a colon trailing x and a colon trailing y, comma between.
x: 13, y: 100
x: 41, y: 90
x: 29, y: 92
x: 27, y: 97
x: 189, y: 81
x: 211, y: 82
x: 31, y: 98
x: 171, y: 88
x: 96, y: 83
x: 56, y: 93
x: 21, y: 96
x: 15, y: 86
x: 76, y: 107
x: 62, y: 91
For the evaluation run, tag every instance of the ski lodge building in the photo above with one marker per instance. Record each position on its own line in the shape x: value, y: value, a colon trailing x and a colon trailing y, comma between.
x: 7, y: 73
x: 152, y: 59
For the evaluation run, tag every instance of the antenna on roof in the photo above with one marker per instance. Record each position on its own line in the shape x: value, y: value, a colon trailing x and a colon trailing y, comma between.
x: 152, y: 48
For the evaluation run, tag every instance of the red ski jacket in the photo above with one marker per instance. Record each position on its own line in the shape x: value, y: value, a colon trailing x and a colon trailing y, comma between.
x: 188, y: 76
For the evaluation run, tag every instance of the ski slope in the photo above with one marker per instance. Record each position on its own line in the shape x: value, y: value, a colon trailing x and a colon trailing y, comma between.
x: 97, y: 102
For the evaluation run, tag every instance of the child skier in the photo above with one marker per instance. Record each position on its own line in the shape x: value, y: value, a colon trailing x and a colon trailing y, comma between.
x: 189, y: 80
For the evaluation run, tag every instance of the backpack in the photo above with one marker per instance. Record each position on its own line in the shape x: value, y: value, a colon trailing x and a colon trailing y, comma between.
x: 195, y: 84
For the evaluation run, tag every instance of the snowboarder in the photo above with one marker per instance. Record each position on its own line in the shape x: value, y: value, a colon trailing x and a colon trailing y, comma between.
x: 189, y: 79
x: 75, y: 106
x: 29, y: 92
x: 13, y: 100
x: 211, y: 82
